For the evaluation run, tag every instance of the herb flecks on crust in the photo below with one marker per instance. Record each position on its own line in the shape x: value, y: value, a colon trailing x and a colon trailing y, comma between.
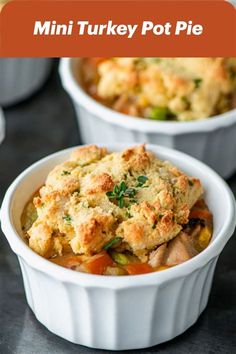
x: 129, y: 200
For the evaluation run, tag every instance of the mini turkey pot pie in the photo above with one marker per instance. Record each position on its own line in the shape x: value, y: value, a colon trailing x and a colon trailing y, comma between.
x: 163, y: 89
x: 121, y: 213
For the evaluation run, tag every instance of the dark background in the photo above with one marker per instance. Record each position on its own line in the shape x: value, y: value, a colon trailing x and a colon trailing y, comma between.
x: 39, y: 126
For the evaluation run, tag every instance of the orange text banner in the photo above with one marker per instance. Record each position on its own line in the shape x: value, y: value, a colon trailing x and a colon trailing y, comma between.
x: 118, y: 28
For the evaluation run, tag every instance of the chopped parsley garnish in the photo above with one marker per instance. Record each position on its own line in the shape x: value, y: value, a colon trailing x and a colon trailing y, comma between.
x: 154, y: 225
x: 130, y: 192
x: 67, y: 218
x: 65, y: 173
x: 160, y: 216
x: 112, y: 243
x: 122, y: 191
x: 190, y: 183
x: 127, y: 214
x: 141, y: 181
x: 121, y: 203
x: 197, y: 82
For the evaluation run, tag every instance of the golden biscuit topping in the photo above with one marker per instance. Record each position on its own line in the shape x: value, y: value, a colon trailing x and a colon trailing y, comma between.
x: 97, y: 197
x: 163, y: 88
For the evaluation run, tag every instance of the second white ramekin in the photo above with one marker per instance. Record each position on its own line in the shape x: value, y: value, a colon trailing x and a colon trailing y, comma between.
x: 118, y: 313
x: 2, y: 126
x: 20, y: 77
x: 212, y: 141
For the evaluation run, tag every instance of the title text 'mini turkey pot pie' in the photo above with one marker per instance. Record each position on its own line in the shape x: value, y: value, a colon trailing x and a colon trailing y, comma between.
x: 163, y: 89
x: 120, y: 213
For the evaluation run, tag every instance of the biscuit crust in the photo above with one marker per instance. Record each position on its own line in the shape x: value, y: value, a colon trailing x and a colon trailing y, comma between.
x: 79, y: 208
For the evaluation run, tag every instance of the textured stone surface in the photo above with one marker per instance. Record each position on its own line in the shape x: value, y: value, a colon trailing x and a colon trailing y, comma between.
x: 42, y: 125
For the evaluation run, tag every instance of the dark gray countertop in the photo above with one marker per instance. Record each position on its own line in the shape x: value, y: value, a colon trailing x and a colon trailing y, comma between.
x: 37, y: 127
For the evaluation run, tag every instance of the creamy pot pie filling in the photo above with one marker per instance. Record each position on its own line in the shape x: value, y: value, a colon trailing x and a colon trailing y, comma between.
x: 117, y: 213
x: 162, y: 89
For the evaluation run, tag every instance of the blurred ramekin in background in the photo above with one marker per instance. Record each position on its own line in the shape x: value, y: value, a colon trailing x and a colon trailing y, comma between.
x: 126, y: 312
x: 2, y: 126
x: 233, y: 2
x: 21, y: 77
x: 212, y: 141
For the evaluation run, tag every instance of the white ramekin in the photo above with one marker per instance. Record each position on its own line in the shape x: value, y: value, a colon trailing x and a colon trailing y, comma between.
x: 233, y: 2
x: 20, y: 77
x: 2, y: 126
x: 212, y: 141
x: 118, y: 313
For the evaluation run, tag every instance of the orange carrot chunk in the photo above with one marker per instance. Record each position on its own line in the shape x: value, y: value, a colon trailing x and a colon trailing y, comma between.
x: 98, y: 263
x: 200, y: 214
x: 138, y: 268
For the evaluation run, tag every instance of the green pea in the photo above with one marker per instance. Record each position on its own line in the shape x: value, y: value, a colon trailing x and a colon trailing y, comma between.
x: 159, y: 113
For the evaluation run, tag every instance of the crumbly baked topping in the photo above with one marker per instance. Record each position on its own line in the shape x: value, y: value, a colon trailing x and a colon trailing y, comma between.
x: 163, y: 88
x: 96, y: 196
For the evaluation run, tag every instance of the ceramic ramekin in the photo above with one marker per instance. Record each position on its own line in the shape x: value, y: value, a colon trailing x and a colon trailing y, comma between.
x: 2, y: 126
x: 118, y: 313
x: 20, y: 77
x: 212, y: 141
